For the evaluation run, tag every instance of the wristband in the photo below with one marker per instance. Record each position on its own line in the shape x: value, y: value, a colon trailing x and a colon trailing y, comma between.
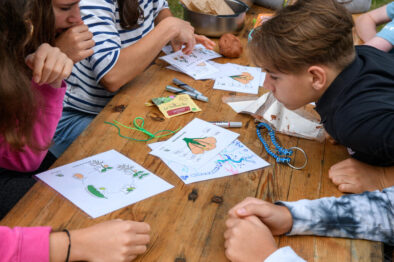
x: 69, y: 244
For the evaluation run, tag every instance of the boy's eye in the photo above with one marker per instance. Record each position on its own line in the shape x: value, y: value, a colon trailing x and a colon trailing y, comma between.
x: 65, y: 8
x: 273, y: 77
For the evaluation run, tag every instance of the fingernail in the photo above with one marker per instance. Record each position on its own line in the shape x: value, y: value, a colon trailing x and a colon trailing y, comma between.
x: 36, y: 79
x: 241, y: 211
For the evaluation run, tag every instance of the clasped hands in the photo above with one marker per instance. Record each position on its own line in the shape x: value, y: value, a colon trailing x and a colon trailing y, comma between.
x: 250, y: 229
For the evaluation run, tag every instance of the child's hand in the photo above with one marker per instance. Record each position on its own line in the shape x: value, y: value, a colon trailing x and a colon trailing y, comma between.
x: 277, y: 218
x: 49, y: 65
x: 76, y: 42
x: 353, y: 176
x: 205, y: 41
x: 111, y: 241
x: 248, y: 240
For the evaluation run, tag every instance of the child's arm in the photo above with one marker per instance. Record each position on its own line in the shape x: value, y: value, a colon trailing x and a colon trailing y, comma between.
x: 366, y: 23
x: 364, y: 216
x: 114, y: 241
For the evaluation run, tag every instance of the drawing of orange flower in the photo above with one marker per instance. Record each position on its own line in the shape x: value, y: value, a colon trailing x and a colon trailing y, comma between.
x: 244, y: 78
x: 200, y: 145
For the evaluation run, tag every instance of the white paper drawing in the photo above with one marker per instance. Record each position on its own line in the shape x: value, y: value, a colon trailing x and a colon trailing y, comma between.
x: 196, y: 143
x: 182, y: 61
x: 246, y: 81
x: 104, y: 182
x: 234, y: 159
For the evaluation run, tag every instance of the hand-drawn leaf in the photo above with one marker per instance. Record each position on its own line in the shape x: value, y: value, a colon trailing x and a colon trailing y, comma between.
x: 95, y: 192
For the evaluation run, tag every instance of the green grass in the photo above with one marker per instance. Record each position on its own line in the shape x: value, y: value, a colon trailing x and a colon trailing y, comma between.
x: 177, y: 11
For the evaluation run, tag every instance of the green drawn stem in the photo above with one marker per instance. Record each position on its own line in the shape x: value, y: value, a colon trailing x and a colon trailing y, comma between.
x: 193, y: 141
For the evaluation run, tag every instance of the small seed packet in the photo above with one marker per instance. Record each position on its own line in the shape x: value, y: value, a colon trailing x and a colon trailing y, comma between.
x: 175, y: 105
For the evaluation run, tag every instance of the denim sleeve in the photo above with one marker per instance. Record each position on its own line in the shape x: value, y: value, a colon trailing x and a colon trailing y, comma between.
x: 369, y: 215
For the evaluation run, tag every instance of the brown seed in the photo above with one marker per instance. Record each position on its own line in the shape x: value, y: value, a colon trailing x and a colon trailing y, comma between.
x: 217, y: 199
x: 119, y: 108
x: 193, y: 195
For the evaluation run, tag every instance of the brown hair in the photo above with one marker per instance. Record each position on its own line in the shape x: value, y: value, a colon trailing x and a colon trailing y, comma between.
x: 129, y: 13
x: 18, y: 102
x: 306, y: 33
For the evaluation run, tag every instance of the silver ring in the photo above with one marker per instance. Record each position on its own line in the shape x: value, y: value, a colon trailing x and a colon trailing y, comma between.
x: 306, y: 158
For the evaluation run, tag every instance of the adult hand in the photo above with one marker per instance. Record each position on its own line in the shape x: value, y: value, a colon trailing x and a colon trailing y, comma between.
x: 353, y: 176
x: 277, y: 218
x: 110, y: 241
x: 205, y: 41
x: 76, y: 42
x: 248, y: 240
x: 184, y: 36
x: 49, y: 65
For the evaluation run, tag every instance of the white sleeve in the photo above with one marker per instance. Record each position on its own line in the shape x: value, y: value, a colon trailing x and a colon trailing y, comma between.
x: 284, y: 254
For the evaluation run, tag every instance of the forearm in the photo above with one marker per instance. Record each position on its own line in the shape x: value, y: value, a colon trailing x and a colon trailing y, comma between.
x: 365, y: 27
x: 162, y: 15
x: 135, y: 58
x: 364, y: 216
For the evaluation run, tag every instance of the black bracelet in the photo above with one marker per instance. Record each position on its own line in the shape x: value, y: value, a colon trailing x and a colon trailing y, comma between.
x: 69, y: 244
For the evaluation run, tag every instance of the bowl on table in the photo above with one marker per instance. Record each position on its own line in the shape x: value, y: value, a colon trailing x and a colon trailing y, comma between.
x: 217, y: 25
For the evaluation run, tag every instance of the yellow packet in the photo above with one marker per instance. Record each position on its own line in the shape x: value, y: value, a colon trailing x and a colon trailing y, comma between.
x: 175, y: 106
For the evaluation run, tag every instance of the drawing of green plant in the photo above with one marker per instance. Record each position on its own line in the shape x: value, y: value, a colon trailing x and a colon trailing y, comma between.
x: 94, y: 191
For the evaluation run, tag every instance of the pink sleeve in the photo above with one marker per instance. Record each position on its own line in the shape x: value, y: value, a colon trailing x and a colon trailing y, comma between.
x: 44, y: 130
x: 24, y: 244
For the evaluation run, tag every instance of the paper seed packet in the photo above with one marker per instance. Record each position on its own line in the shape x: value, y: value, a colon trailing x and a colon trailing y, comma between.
x: 175, y: 105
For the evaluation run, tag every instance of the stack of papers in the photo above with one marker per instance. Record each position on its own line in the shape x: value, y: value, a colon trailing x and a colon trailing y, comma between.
x: 202, y: 151
x: 229, y: 77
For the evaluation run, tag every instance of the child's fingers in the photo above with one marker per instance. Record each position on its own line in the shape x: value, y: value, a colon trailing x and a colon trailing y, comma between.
x: 348, y: 188
x: 30, y: 61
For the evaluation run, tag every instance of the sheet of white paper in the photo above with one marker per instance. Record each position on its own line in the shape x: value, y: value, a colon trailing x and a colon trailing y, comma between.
x: 223, y: 70
x: 285, y: 120
x: 200, y: 70
x: 196, y: 143
x: 247, y: 81
x: 104, y: 182
x: 182, y: 61
x: 234, y: 159
x: 262, y: 78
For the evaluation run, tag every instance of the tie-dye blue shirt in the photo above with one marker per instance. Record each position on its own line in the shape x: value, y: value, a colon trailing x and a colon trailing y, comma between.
x: 369, y: 215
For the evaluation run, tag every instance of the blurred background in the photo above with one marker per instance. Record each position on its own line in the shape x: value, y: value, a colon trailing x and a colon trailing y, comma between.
x: 177, y: 11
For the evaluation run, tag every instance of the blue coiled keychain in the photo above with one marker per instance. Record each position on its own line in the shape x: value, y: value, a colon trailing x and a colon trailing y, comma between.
x: 282, y: 155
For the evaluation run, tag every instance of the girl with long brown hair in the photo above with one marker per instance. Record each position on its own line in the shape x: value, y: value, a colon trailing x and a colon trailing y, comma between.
x: 31, y: 95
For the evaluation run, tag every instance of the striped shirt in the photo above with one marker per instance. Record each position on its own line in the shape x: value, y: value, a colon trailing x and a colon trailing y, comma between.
x: 84, y: 92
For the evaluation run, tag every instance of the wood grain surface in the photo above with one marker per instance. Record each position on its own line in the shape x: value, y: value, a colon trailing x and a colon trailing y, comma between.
x: 183, y: 229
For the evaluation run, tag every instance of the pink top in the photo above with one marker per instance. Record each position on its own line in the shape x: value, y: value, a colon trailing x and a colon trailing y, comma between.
x: 44, y: 130
x: 24, y: 244
x: 31, y: 243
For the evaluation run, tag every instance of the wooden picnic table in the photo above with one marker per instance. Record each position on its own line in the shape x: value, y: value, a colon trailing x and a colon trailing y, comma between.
x: 192, y: 230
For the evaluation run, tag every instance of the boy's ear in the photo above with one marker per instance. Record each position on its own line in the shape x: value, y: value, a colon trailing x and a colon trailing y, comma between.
x: 319, y: 77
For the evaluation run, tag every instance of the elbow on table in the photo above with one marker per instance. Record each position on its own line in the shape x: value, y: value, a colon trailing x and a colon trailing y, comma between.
x: 111, y: 83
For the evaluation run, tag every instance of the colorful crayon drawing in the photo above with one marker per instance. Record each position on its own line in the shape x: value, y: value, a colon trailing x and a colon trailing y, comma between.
x: 244, y: 78
x: 200, y: 145
x: 100, y: 166
x: 99, y: 189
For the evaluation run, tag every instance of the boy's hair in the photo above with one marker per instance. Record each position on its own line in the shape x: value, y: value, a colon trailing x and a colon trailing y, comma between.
x: 24, y: 25
x: 129, y: 13
x: 310, y: 32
